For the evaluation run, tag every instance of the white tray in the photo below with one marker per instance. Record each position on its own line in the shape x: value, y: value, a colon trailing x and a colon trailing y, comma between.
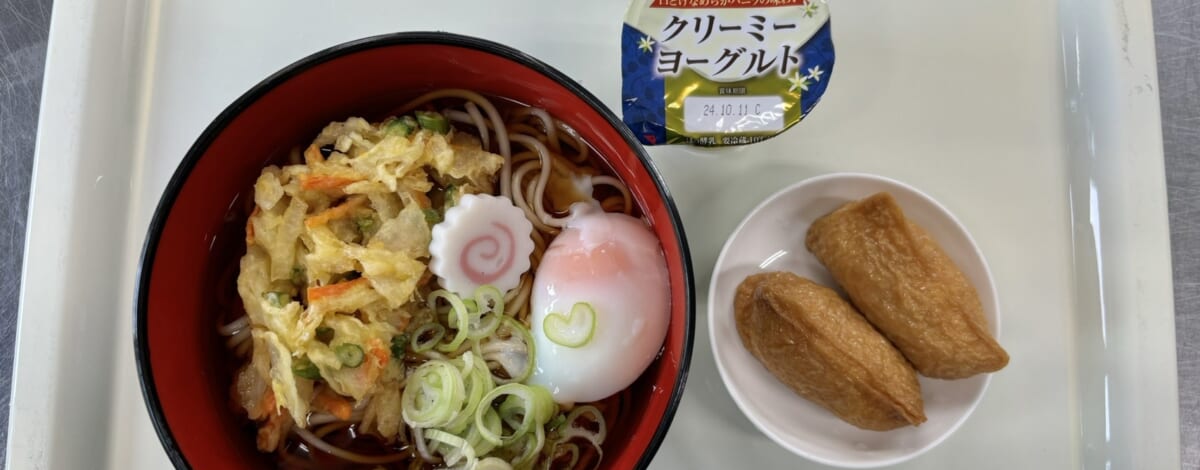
x: 1035, y: 122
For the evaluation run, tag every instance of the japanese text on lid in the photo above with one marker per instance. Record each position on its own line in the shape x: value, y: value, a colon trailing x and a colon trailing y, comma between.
x: 722, y: 72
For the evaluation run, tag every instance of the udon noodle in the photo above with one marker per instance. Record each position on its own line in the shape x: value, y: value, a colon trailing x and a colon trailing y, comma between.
x: 543, y: 164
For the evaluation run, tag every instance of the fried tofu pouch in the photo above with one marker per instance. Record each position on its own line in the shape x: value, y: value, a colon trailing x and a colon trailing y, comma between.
x: 821, y: 348
x: 906, y: 286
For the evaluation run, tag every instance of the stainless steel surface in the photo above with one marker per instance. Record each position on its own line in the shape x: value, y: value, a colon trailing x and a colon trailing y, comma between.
x: 1177, y: 32
x: 23, y: 31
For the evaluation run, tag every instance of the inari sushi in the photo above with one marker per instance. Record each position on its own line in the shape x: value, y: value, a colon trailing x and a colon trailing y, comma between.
x: 906, y: 286
x: 821, y: 348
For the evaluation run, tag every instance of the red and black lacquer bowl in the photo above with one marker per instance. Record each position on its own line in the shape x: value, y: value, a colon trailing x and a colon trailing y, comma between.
x: 196, y: 233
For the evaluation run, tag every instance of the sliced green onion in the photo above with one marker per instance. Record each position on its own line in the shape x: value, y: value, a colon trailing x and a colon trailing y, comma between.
x: 453, y: 404
x: 575, y: 429
x: 448, y: 196
x: 366, y: 225
x: 502, y: 351
x: 556, y: 421
x: 454, y: 442
x: 546, y: 407
x: 491, y: 421
x: 351, y: 355
x: 485, y: 316
x: 572, y: 331
x: 277, y: 299
x: 432, y: 216
x: 561, y: 448
x: 484, y: 326
x: 491, y: 297
x: 477, y: 382
x: 512, y: 411
x: 410, y: 122
x: 493, y: 463
x: 519, y: 328
x: 433, y: 394
x: 399, y: 343
x: 324, y: 334
x: 529, y: 446
x: 433, y: 121
x: 399, y: 126
x: 427, y: 336
x: 457, y: 318
x: 304, y: 368
x: 532, y: 402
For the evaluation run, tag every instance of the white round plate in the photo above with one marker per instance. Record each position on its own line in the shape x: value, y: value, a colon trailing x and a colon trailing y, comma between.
x: 771, y: 238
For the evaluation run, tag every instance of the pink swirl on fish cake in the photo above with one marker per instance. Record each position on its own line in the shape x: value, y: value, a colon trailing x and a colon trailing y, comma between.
x: 481, y: 275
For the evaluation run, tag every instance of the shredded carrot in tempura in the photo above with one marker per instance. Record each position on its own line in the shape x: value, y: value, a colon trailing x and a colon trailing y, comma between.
x: 422, y: 199
x: 335, y: 212
x: 333, y: 290
x: 325, y: 183
x: 328, y: 401
x: 250, y: 226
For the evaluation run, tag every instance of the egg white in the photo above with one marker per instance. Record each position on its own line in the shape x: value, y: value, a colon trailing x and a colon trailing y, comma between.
x: 615, y: 263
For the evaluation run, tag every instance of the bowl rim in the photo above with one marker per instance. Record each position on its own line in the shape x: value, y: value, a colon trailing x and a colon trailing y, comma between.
x: 737, y: 394
x: 174, y: 186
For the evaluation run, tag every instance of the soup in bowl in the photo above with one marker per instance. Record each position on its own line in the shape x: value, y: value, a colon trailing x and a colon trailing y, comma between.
x: 418, y: 250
